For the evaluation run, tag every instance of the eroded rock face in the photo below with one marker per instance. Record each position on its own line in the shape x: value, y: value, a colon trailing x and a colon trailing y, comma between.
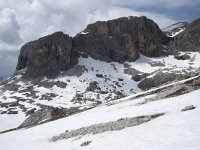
x: 189, y: 40
x: 121, y: 39
x: 47, y: 56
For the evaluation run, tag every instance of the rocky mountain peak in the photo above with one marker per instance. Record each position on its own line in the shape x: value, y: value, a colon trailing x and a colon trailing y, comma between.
x: 47, y: 56
x: 121, y: 39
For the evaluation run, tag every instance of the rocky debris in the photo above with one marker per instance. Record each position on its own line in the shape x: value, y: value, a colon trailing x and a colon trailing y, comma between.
x: 48, y: 96
x: 48, y: 84
x: 182, y: 57
x: 80, y: 98
x: 139, y: 77
x: 99, y: 76
x: 105, y: 127
x: 189, y: 107
x: 29, y: 92
x: 47, y: 56
x: 86, y: 143
x: 126, y: 65
x: 158, y: 79
x: 46, y: 113
x: 10, y: 87
x: 120, y: 79
x: 93, y: 86
x: 30, y: 112
x: 188, y: 40
x: 121, y: 39
x: 157, y: 64
x: 12, y: 107
x: 77, y: 71
x: 173, y: 91
x: 119, y: 95
x: 136, y: 75
x: 170, y: 90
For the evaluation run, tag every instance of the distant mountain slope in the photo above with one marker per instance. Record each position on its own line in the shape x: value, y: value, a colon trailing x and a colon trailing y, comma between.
x: 175, y: 29
x: 188, y: 40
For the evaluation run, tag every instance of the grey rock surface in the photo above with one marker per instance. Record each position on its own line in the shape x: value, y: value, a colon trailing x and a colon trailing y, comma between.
x: 136, y: 75
x: 104, y: 127
x: 158, y: 79
x: 45, y: 114
x: 189, y: 107
x: 121, y: 39
x: 47, y: 56
x: 189, y: 39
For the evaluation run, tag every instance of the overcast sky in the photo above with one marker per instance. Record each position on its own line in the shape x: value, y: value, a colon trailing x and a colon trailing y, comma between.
x: 25, y: 20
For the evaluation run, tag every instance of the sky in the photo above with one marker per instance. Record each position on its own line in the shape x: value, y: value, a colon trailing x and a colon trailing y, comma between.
x: 22, y: 21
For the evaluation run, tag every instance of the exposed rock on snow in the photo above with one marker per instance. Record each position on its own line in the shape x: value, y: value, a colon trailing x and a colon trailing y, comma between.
x: 189, y: 107
x: 136, y: 75
x: 104, y: 127
x: 158, y: 79
x: 47, y: 114
x: 77, y: 71
x: 182, y: 57
x: 86, y: 143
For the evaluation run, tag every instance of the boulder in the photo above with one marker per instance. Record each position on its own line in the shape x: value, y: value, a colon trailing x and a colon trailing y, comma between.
x: 121, y: 39
x: 47, y: 56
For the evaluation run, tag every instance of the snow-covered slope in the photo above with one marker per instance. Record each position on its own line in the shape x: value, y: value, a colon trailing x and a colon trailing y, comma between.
x: 175, y: 29
x: 88, y: 84
x: 178, y: 127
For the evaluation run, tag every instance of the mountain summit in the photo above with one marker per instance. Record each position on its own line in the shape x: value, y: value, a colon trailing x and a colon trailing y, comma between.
x: 117, y: 40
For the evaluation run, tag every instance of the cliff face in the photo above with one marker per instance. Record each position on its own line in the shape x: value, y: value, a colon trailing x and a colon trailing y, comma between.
x: 189, y: 40
x: 47, y: 56
x: 121, y: 39
x: 117, y: 40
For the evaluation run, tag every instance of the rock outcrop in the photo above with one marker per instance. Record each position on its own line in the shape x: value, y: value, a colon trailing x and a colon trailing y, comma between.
x: 189, y: 40
x: 47, y: 56
x: 46, y: 114
x: 159, y: 79
x: 121, y: 39
x: 118, y: 40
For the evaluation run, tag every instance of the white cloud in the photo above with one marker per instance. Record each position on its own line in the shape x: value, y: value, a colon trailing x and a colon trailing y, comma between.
x: 9, y: 27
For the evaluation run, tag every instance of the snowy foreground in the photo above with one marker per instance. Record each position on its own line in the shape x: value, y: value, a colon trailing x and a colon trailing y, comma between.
x: 175, y: 130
